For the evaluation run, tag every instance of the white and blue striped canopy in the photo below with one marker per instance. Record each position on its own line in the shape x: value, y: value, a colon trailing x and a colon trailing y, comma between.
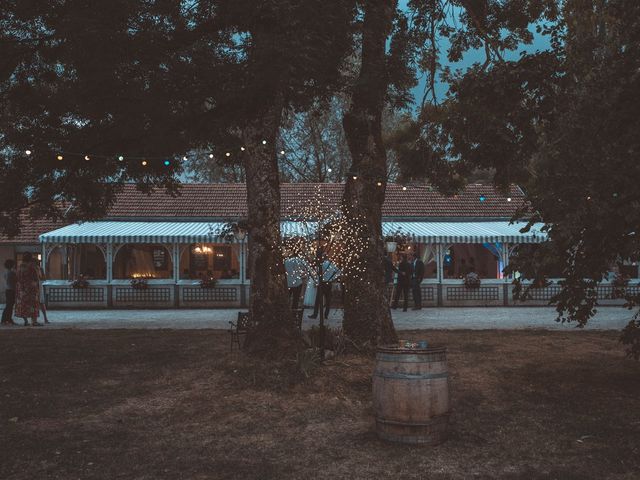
x: 465, y: 232
x: 194, y: 232
x: 135, y: 232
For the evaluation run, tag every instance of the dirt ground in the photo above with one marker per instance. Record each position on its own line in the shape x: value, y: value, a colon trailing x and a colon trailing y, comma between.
x: 162, y: 404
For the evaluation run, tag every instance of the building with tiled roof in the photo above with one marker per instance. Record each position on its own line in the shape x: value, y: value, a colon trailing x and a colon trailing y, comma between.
x: 171, y: 242
x: 228, y: 201
x: 220, y: 201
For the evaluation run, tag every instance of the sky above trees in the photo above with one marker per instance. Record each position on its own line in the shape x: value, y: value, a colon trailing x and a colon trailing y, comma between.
x: 540, y: 42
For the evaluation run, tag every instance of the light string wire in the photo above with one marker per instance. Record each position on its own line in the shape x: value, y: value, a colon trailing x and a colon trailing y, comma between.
x: 169, y: 159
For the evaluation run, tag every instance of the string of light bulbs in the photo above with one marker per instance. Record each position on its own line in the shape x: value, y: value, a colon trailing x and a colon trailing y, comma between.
x: 144, y: 160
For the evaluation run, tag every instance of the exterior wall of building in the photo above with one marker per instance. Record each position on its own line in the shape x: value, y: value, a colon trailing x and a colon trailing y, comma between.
x: 230, y: 295
x: 6, y: 252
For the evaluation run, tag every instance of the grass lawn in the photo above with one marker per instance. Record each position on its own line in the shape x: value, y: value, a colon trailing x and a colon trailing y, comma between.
x: 156, y: 404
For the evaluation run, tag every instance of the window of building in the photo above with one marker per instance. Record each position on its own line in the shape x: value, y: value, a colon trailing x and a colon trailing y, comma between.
x: 463, y: 258
x: 143, y: 261
x: 217, y: 260
x: 69, y: 262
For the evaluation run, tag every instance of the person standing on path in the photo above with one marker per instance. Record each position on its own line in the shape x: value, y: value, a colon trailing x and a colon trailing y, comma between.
x: 41, y: 299
x: 330, y: 274
x: 28, y: 291
x: 296, y: 275
x: 388, y: 269
x: 417, y: 270
x: 10, y: 278
x: 404, y: 281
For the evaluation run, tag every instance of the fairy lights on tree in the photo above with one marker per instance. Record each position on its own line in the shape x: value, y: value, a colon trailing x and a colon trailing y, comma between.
x: 328, y: 242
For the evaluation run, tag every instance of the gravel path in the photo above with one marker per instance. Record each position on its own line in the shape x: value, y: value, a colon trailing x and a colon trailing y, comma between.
x: 607, y: 318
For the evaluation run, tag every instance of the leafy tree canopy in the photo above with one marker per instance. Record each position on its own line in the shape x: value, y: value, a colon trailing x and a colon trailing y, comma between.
x: 148, y: 81
x: 563, y: 124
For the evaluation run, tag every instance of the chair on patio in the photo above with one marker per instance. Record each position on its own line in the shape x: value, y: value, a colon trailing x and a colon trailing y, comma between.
x: 239, y: 328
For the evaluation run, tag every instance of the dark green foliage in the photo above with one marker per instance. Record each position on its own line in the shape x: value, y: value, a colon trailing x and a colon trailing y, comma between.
x: 85, y: 77
x: 146, y: 79
x: 565, y: 125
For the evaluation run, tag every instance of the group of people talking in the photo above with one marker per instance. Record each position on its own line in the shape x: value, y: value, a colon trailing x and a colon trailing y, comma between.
x: 410, y: 273
x: 300, y: 272
x: 23, y: 292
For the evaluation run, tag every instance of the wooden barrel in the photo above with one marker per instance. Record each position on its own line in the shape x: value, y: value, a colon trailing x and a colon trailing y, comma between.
x: 411, y: 395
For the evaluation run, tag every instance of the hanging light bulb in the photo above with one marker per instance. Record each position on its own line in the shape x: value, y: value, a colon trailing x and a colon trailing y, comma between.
x: 185, y: 158
x: 242, y: 149
x: 508, y: 199
x: 329, y: 170
x: 379, y: 184
x: 87, y: 158
x: 264, y: 142
x: 60, y: 157
x: 211, y: 155
x: 281, y: 152
x: 144, y: 163
x: 28, y: 152
x: 120, y: 158
x: 228, y: 154
x: 404, y: 188
x: 167, y: 163
x: 355, y: 177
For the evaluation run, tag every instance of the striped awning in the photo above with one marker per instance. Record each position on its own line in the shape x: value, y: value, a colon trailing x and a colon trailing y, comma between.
x: 135, y: 232
x: 465, y: 232
x: 194, y: 232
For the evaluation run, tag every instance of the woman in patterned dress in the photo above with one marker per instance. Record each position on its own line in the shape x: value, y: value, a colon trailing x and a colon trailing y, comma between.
x: 28, y: 291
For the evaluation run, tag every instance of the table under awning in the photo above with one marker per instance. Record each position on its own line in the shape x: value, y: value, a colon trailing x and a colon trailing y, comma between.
x: 200, y: 232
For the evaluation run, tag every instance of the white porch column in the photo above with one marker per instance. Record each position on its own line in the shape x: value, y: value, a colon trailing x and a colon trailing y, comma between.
x: 505, y: 259
x: 243, y: 262
x: 64, y: 250
x: 243, y: 273
x: 109, y: 260
x: 176, y: 262
x: 43, y: 263
x: 440, y: 251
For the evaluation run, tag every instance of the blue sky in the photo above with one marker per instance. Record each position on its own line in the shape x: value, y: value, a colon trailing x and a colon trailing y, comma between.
x: 540, y: 42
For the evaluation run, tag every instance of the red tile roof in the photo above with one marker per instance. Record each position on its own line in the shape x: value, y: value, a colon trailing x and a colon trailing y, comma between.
x: 30, y: 230
x: 226, y: 200
x: 229, y: 200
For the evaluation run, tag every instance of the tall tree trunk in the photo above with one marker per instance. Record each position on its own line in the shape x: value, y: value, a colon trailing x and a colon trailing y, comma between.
x: 367, y: 317
x: 274, y: 334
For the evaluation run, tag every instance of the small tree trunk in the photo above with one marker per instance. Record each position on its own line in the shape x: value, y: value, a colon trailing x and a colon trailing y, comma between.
x: 367, y: 318
x: 274, y: 334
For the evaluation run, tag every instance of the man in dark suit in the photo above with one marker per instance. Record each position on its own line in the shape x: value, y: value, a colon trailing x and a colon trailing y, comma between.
x: 388, y: 269
x: 417, y: 270
x: 404, y: 281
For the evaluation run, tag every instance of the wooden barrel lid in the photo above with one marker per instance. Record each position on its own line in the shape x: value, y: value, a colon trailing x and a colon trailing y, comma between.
x: 411, y: 351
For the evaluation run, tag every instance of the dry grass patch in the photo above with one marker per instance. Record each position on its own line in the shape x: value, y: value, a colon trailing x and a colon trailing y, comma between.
x: 155, y: 404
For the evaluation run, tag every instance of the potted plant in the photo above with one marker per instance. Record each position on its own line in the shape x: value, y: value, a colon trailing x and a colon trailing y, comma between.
x: 139, y: 283
x: 396, y: 239
x: 231, y: 230
x: 80, y: 282
x: 472, y: 280
x: 208, y: 282
x: 619, y: 284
